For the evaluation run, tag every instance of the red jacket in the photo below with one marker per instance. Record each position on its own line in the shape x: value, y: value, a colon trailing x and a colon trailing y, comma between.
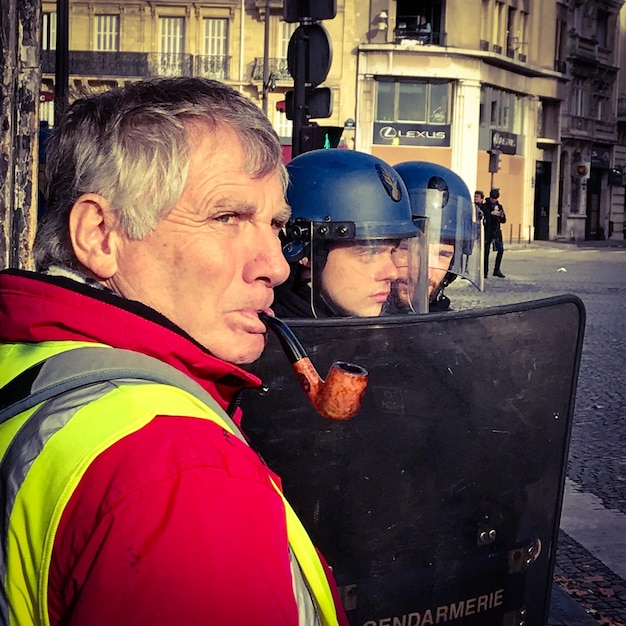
x: 177, y: 523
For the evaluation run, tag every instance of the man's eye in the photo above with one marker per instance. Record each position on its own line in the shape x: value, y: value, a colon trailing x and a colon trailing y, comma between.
x: 367, y: 251
x: 227, y: 218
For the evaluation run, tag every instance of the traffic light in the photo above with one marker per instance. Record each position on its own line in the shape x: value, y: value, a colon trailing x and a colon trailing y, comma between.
x: 297, y: 10
x: 315, y: 137
x: 494, y: 161
x: 318, y: 103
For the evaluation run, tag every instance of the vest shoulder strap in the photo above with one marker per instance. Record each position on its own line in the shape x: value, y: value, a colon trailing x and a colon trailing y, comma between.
x: 84, y: 366
x: 81, y: 367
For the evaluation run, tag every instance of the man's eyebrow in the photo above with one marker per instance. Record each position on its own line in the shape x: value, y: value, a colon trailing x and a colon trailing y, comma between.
x: 282, y: 215
x: 229, y: 204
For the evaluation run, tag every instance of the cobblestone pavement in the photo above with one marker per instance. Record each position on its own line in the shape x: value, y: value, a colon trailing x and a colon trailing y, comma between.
x: 586, y: 591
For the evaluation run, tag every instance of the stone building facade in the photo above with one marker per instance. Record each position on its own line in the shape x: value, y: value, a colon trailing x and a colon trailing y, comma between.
x: 532, y: 85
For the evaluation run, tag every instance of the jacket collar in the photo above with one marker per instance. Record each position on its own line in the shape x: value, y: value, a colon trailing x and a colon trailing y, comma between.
x: 36, y: 307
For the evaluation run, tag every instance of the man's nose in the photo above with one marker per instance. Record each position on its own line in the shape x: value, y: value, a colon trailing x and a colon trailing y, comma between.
x: 387, y: 269
x: 268, y: 262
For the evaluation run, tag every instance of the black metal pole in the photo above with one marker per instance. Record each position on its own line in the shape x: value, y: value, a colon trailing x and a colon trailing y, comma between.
x: 62, y: 64
x: 266, y: 48
x: 299, y: 92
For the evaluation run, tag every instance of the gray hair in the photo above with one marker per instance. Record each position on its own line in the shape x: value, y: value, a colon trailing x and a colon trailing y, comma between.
x: 131, y: 146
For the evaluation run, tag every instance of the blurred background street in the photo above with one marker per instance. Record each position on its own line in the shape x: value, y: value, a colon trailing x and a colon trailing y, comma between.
x: 590, y: 572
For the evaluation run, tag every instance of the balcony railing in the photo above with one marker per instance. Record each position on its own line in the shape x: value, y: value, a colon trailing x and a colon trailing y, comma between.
x: 276, y: 68
x: 139, y: 64
x: 576, y: 124
x: 86, y: 63
x: 407, y: 35
x: 584, y: 49
x: 212, y: 66
x: 170, y: 64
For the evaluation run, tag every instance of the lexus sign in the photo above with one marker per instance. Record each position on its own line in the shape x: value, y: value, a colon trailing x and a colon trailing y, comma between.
x: 411, y: 134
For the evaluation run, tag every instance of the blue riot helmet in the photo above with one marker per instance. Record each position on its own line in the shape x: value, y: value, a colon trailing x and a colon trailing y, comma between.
x: 350, y: 237
x: 454, y: 229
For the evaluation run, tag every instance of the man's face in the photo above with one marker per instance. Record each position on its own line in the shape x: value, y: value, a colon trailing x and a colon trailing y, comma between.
x: 357, y: 277
x: 477, y: 198
x: 400, y: 256
x: 212, y: 262
x: 439, y: 260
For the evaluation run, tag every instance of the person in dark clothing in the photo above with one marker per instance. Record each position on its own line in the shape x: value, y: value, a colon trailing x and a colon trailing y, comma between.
x: 494, y: 217
x: 350, y: 238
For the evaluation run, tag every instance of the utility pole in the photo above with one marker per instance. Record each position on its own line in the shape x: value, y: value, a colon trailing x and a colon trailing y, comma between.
x: 19, y: 129
x: 266, y: 61
x: 62, y: 60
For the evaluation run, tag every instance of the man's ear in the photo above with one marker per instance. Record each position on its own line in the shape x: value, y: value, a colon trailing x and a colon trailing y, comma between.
x: 92, y: 226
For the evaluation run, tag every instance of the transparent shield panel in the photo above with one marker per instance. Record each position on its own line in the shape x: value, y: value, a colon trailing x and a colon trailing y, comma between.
x: 369, y: 277
x: 409, y: 293
x: 454, y: 236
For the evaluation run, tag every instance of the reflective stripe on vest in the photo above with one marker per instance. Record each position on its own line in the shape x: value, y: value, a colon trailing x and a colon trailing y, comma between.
x: 29, y: 451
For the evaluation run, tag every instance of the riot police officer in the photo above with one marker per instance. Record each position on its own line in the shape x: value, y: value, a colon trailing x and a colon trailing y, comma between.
x: 439, y: 194
x: 351, y: 237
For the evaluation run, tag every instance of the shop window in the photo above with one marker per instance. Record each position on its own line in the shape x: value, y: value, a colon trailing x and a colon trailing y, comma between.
x: 418, y: 101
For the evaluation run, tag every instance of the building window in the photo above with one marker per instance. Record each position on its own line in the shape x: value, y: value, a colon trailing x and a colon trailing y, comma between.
x: 602, y: 108
x: 107, y: 37
x: 171, y: 45
x: 420, y: 101
x: 385, y: 109
x: 215, y: 48
x: 420, y: 20
x: 505, y: 110
x: 497, y: 36
x: 49, y: 34
x: 579, y: 98
x: 282, y: 126
x: 411, y: 102
x: 560, y: 42
x: 171, y: 35
x: 286, y: 30
x: 518, y: 114
x: 215, y: 37
x: 602, y: 29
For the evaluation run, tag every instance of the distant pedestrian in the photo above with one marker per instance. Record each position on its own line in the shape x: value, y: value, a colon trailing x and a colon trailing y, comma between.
x: 494, y: 217
x: 468, y: 242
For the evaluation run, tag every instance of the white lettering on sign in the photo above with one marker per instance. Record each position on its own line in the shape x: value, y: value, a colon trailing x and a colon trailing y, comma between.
x: 444, y: 613
x: 389, y: 132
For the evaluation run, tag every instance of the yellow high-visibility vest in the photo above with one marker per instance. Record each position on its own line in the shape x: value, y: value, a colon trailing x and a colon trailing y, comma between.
x: 45, y: 452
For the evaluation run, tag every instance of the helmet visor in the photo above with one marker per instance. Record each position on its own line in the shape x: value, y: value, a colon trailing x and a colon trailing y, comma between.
x: 455, y: 237
x: 369, y: 277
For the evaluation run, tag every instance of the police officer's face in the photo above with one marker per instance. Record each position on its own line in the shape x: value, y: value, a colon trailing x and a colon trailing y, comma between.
x: 400, y: 256
x: 357, y: 277
x: 439, y: 260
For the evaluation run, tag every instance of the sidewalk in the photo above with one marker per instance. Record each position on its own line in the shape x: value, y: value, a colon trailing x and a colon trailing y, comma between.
x: 565, y: 611
x: 515, y: 245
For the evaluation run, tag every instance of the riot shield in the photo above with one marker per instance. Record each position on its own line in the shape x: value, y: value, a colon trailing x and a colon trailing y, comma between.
x: 440, y: 500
